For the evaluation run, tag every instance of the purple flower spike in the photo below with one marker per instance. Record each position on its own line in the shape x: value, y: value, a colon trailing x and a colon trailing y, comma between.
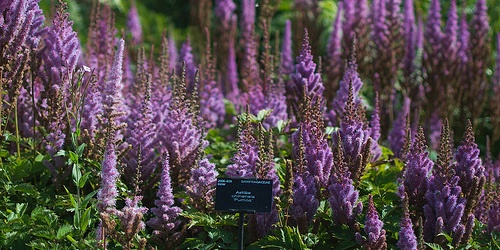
x: 304, y: 79
x: 397, y: 136
x: 416, y: 173
x: 351, y: 77
x: 433, y: 32
x: 305, y: 202
x: 224, y: 10
x: 201, y: 186
x: 247, y: 156
x: 134, y: 25
x: 407, y: 239
x: 376, y: 150
x: 287, y: 66
x: 373, y: 229
x: 410, y: 35
x: 165, y: 220
x: 108, y: 192
x: 187, y: 56
x: 343, y: 199
x: 469, y: 168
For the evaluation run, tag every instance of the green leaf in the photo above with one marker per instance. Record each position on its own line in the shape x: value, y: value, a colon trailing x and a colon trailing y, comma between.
x: 85, y: 220
x: 24, y: 188
x: 63, y: 231
x: 83, y: 180
x: 77, y: 175
x: 434, y: 246
x: 61, y: 153
x: 87, y: 198
x: 79, y: 150
x: 72, y: 199
x: 263, y: 114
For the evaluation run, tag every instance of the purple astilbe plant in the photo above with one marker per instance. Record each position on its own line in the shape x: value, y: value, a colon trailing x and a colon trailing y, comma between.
x: 355, y: 140
x: 249, y: 66
x: 334, y: 56
x: 247, y: 154
x: 108, y: 192
x: 304, y: 191
x: 112, y: 97
x: 287, y: 66
x: 212, y: 108
x: 416, y: 175
x: 373, y: 229
x: 494, y: 215
x: 59, y: 57
x: 376, y: 150
x: 141, y: 158
x: 407, y: 239
x: 305, y: 203
x: 305, y: 79
x: 397, y: 136
x: 165, y: 222
x: 434, y: 124
x: 181, y: 133
x: 134, y: 24
x: 444, y: 209
x: 224, y: 10
x: 351, y: 77
x: 470, y: 169
x: 186, y: 56
x: 343, y: 196
x: 276, y: 101
x: 260, y: 224
x: 317, y: 154
x: 172, y: 51
x: 20, y: 33
x: 201, y: 186
x: 130, y: 217
x: 474, y: 92
x: 410, y: 34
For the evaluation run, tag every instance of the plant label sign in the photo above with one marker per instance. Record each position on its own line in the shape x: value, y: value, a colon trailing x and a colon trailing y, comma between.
x: 244, y: 195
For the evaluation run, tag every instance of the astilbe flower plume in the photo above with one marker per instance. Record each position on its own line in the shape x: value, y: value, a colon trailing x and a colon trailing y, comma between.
x: 305, y: 79
x: 201, y: 186
x: 304, y: 189
x: 410, y: 36
x: 108, y: 191
x: 407, y: 239
x: 287, y: 66
x: 20, y: 33
x: 416, y: 176
x: 376, y: 150
x: 495, y: 117
x: 334, y: 56
x: 397, y: 136
x: 186, y: 56
x: 373, y: 229
x: 474, y: 92
x: 470, y: 169
x: 134, y: 24
x: 165, y: 220
x: 59, y: 57
x: 141, y: 158
x: 350, y: 77
x: 261, y: 223
x: 354, y: 138
x: 181, y: 133
x: 249, y: 65
x: 212, y: 108
x: 356, y: 30
x: 343, y: 196
x: 247, y: 155
x: 131, y: 222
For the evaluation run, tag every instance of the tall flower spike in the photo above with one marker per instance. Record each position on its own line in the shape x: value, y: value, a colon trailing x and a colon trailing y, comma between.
x: 334, y: 55
x: 416, y: 175
x: 186, y: 56
x: 410, y: 35
x: 108, y: 192
x: 287, y: 66
x: 250, y: 65
x: 397, y: 135
x: 351, y: 77
x: 444, y: 163
x: 373, y: 229
x: 470, y: 169
x: 376, y: 150
x: 305, y: 78
x: 407, y: 239
x: 343, y: 196
x: 134, y: 24
x: 201, y: 186
x: 247, y: 156
x: 165, y: 220
x: 495, y: 117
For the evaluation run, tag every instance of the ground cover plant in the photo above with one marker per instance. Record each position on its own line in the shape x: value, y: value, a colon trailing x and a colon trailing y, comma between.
x: 383, y: 134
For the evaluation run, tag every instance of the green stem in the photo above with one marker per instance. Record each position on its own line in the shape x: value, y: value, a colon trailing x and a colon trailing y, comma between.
x: 18, y: 139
